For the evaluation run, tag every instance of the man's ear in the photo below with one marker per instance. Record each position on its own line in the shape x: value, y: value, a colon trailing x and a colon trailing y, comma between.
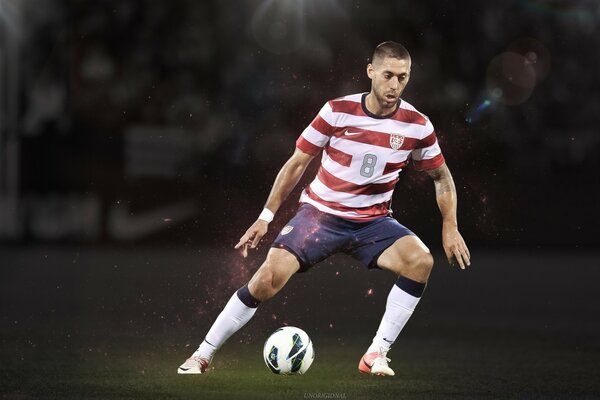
x: 370, y: 71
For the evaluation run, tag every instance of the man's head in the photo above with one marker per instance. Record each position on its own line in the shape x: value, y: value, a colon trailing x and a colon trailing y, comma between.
x: 389, y: 72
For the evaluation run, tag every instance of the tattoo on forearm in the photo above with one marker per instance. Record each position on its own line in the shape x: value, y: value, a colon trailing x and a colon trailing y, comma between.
x: 444, y: 185
x: 443, y: 180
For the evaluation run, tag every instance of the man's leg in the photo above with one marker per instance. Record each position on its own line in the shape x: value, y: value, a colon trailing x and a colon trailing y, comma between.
x: 410, y: 259
x: 269, y: 279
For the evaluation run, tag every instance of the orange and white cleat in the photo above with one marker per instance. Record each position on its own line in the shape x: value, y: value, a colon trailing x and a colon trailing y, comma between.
x: 194, y: 365
x: 375, y: 363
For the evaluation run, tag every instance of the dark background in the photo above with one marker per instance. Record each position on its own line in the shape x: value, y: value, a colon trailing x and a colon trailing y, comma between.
x: 139, y: 139
x: 120, y: 108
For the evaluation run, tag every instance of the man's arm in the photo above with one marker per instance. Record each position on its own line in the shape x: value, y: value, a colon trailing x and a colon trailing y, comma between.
x: 286, y: 180
x: 445, y: 194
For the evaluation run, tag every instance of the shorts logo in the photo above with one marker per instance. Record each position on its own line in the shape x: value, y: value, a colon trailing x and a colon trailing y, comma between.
x: 287, y: 229
x: 396, y: 141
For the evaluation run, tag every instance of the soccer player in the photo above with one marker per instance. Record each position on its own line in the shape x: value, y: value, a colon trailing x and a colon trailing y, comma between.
x: 365, y: 139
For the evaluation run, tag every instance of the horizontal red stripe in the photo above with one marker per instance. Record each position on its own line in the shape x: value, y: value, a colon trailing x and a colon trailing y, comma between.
x: 307, y: 146
x: 392, y: 167
x: 347, y: 107
x: 340, y: 185
x: 339, y: 156
x: 373, y: 211
x: 435, y: 162
x: 322, y: 126
x: 364, y: 136
x: 409, y: 143
x: 409, y: 116
x: 426, y: 141
x: 375, y: 138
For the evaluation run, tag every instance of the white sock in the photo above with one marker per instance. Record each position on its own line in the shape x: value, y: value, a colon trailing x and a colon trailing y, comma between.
x: 233, y: 317
x: 399, y: 307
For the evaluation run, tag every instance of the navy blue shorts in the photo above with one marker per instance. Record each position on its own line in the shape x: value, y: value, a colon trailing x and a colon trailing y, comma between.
x: 312, y: 236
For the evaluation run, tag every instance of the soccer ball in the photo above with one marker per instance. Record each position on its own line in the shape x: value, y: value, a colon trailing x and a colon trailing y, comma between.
x: 288, y: 351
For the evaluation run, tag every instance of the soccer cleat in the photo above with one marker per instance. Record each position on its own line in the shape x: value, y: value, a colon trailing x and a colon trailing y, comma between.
x: 194, y: 365
x: 375, y: 363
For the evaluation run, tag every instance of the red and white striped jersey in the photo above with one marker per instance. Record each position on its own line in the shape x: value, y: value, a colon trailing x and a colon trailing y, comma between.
x: 363, y: 154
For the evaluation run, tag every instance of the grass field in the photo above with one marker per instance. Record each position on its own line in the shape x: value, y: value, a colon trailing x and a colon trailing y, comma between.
x: 426, y: 368
x: 117, y: 323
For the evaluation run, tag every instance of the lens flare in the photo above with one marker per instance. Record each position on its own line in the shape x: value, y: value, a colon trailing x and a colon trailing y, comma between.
x: 476, y: 113
x: 510, y: 78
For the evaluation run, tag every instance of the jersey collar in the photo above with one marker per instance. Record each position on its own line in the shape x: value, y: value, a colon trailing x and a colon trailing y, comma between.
x: 370, y: 114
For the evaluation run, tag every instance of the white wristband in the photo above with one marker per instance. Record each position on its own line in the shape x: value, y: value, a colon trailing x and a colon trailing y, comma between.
x: 266, y: 215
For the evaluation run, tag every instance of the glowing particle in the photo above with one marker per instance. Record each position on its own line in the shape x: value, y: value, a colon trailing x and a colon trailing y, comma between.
x: 475, y: 114
x: 370, y: 292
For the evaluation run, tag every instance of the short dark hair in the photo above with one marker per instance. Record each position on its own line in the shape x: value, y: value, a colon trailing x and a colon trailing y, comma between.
x: 390, y: 49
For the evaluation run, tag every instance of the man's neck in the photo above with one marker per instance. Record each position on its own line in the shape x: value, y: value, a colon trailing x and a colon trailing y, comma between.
x: 375, y: 108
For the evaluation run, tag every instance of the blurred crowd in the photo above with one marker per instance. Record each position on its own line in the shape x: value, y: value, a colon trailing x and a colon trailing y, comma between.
x: 150, y: 100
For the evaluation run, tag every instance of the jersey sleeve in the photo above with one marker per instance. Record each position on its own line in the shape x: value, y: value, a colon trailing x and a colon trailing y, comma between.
x: 317, y: 134
x: 427, y: 153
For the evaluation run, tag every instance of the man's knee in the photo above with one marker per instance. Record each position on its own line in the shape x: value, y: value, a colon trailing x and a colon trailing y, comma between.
x: 272, y: 274
x: 414, y: 264
x: 261, y: 285
x: 419, y: 265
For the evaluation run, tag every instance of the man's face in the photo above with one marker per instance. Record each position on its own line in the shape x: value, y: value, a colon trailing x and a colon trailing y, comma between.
x: 389, y: 77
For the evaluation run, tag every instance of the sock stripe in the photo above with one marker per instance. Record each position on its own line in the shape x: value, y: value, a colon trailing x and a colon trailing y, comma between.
x: 245, y: 297
x: 411, y: 287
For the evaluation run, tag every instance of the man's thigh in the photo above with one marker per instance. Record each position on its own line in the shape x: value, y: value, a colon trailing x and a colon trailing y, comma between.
x: 276, y: 270
x: 371, y: 241
x: 312, y: 236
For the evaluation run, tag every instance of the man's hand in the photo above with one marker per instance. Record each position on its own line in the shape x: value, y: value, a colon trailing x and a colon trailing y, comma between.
x: 455, y: 247
x: 445, y: 194
x: 252, y: 236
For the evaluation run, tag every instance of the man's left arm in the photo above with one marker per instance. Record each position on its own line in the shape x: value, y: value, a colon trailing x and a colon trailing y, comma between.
x: 445, y: 194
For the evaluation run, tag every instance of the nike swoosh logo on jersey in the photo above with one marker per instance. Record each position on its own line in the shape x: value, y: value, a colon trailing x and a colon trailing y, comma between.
x: 348, y: 133
x: 183, y: 369
x: 389, y: 341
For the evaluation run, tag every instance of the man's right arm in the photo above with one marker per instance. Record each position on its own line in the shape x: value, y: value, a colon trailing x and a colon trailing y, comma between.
x: 286, y: 180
